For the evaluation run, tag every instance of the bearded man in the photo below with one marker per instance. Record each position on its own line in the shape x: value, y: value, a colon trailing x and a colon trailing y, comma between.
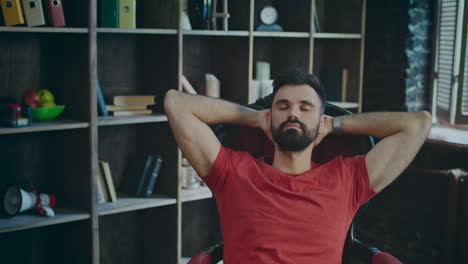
x: 292, y: 210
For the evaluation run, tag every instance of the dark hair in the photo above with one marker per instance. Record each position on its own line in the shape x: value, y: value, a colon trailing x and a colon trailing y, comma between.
x: 297, y: 77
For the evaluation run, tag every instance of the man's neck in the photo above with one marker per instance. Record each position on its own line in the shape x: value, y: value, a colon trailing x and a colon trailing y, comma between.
x: 293, y: 162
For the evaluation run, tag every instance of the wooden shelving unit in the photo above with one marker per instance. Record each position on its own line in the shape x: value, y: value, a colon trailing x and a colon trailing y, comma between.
x: 61, y: 157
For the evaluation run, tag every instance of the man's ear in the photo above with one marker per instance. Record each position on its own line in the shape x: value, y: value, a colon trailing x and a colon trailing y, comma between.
x: 323, y: 118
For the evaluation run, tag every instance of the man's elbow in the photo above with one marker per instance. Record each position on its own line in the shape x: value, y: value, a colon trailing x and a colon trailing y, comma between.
x: 422, y: 122
x: 170, y: 101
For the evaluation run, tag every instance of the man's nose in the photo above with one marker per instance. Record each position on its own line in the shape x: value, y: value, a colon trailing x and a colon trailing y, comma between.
x: 293, y: 113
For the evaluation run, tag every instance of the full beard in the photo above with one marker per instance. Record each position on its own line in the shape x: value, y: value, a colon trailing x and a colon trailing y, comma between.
x: 290, y: 139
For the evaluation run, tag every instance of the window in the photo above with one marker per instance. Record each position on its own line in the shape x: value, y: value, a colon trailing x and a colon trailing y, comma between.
x: 450, y: 83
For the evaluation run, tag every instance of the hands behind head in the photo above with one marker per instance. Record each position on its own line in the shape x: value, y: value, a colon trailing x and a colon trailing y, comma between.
x: 265, y: 125
x: 325, y: 129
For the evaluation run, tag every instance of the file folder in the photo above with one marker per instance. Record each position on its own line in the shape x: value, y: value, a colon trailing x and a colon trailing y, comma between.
x: 127, y: 13
x: 55, y: 13
x: 12, y: 12
x: 109, y: 13
x: 33, y: 12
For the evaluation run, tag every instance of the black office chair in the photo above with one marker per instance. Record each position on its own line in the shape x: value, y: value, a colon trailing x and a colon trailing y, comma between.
x: 254, y: 141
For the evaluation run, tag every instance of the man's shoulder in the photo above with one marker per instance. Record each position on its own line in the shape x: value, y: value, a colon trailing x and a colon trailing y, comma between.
x: 237, y: 155
x: 343, y: 162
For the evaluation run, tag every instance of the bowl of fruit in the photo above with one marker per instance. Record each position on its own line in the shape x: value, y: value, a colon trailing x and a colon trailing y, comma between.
x: 43, y: 105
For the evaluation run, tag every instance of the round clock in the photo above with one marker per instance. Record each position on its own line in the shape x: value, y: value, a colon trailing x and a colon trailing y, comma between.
x: 268, y: 15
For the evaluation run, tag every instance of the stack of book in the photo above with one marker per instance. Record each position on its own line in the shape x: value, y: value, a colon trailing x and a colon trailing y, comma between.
x: 125, y: 105
x: 141, y: 176
x: 105, y: 189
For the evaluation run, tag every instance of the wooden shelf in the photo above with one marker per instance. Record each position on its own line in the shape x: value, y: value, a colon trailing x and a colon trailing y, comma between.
x: 125, y: 120
x: 45, y: 126
x: 196, y: 194
x: 215, y: 33
x: 345, y: 105
x: 281, y: 34
x: 125, y: 204
x: 336, y: 36
x: 137, y: 31
x: 44, y: 29
x: 32, y: 220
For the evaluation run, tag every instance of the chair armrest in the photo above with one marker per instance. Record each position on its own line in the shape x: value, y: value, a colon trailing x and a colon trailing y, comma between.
x: 371, y: 254
x: 201, y: 258
x: 384, y: 258
x: 212, y: 255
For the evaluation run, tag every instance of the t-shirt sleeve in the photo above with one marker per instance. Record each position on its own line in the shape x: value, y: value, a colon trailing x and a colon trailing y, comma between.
x: 216, y: 178
x: 360, y: 183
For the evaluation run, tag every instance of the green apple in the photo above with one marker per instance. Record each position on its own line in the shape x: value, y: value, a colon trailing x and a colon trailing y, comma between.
x: 48, y: 104
x: 46, y: 96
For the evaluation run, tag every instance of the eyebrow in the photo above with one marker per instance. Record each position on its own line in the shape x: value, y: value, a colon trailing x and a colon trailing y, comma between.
x: 281, y: 101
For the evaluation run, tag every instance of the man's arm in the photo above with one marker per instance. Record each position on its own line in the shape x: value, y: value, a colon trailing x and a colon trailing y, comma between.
x: 402, y: 136
x: 189, y: 117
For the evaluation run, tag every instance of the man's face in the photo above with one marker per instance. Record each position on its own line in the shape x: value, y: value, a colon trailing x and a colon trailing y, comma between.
x: 295, y: 117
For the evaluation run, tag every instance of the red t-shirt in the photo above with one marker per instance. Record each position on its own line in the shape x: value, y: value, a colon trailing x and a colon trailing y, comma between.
x: 268, y: 216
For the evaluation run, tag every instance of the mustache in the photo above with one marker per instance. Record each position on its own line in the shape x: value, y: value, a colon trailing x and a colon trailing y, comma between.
x: 283, y: 124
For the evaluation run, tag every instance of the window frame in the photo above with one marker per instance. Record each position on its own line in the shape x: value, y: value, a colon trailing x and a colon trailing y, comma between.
x: 454, y: 115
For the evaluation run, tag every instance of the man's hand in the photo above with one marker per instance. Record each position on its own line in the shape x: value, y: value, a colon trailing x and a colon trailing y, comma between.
x: 265, y: 122
x: 324, y: 130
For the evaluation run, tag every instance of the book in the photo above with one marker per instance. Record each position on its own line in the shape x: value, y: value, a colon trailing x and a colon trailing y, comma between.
x: 146, y: 175
x: 136, y: 170
x: 134, y: 99
x: 12, y: 12
x: 132, y: 112
x: 99, y: 193
x: 55, y: 13
x: 102, y: 109
x: 150, y: 181
x: 316, y: 20
x: 105, y: 169
x: 109, y: 13
x: 126, y: 107
x: 33, y: 12
x: 104, y: 190
x: 127, y: 13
